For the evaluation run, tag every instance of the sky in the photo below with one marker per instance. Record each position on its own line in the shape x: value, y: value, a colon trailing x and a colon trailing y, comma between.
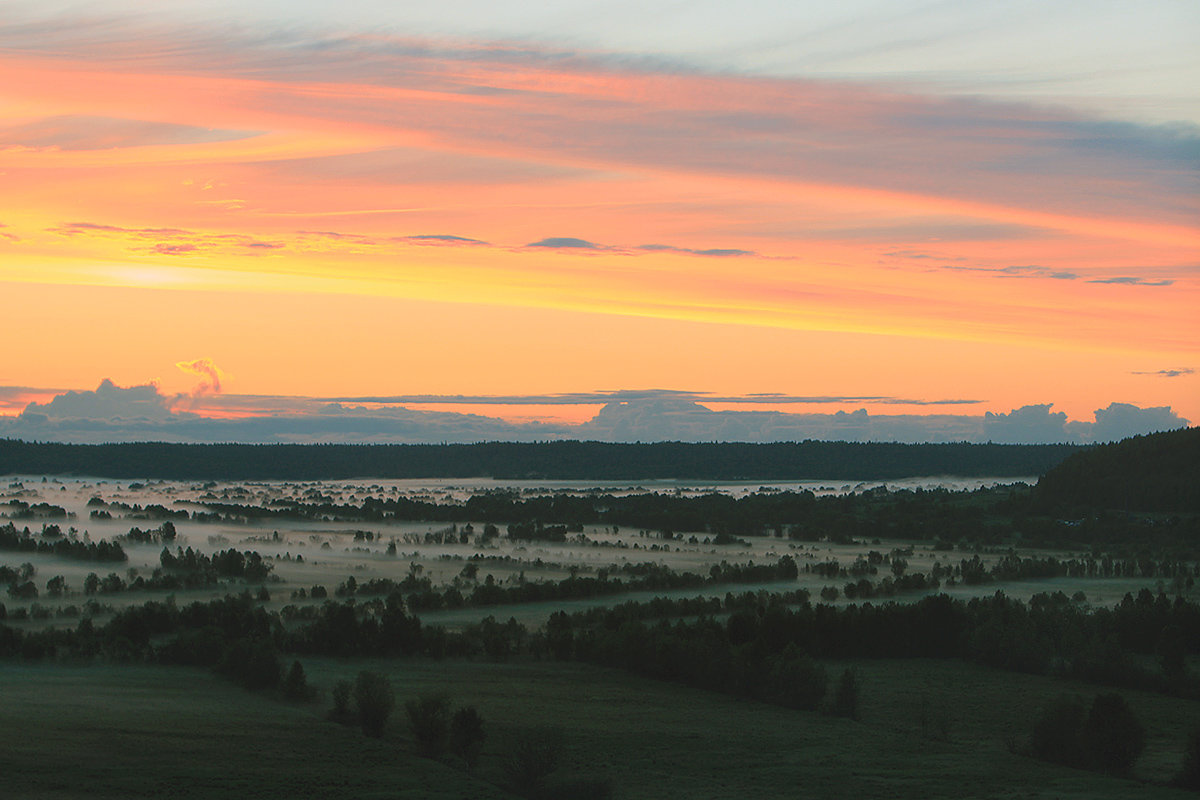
x: 387, y: 221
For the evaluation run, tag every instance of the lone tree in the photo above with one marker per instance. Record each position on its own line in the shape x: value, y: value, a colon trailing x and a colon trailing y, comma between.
x: 429, y: 721
x: 295, y: 685
x: 467, y: 735
x: 374, y: 699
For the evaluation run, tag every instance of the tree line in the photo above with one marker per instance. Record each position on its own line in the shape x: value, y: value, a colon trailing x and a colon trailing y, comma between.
x: 568, y: 460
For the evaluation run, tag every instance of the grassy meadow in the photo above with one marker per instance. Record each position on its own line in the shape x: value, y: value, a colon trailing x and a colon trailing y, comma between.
x: 927, y: 729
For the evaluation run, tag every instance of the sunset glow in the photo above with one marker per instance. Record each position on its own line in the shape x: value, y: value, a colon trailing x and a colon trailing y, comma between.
x: 362, y: 213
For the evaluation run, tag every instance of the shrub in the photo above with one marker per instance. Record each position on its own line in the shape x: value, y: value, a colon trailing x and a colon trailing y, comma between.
x: 533, y: 756
x: 1113, y: 736
x: 1108, y: 738
x: 341, y: 698
x: 797, y: 681
x: 467, y: 735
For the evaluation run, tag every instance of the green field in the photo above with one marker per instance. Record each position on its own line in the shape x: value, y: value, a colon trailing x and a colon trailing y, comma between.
x: 135, y: 731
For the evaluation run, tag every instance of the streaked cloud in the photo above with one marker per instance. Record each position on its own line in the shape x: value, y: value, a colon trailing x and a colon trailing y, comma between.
x: 566, y: 242
x: 629, y: 395
x: 712, y: 251
x: 102, y: 133
x: 1133, y: 280
x: 1168, y: 373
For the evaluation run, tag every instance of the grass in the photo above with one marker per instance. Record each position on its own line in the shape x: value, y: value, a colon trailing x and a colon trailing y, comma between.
x: 134, y: 731
x: 124, y: 731
x: 658, y: 740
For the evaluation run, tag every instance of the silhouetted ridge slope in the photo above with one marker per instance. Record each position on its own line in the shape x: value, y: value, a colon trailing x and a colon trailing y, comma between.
x: 569, y: 460
x: 1156, y: 472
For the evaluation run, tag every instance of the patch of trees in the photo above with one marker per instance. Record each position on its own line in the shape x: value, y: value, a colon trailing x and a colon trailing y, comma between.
x: 1051, y: 635
x: 19, y: 509
x: 53, y: 541
x: 231, y: 563
x: 163, y: 534
x: 135, y: 510
x: 420, y: 595
x: 559, y: 460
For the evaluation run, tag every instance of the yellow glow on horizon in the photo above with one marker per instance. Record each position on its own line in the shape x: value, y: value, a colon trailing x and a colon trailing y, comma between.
x: 273, y: 195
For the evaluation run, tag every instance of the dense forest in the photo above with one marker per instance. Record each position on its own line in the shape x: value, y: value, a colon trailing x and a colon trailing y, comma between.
x: 1158, y: 472
x: 569, y: 460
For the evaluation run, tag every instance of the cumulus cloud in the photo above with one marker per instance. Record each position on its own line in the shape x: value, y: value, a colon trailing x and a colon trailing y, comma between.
x: 1026, y: 425
x: 108, y: 402
x: 142, y: 413
x: 1121, y: 420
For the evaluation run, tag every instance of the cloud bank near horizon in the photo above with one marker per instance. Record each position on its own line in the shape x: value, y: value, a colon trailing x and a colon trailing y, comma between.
x: 142, y: 413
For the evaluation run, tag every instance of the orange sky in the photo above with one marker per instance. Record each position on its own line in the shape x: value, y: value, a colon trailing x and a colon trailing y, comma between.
x: 458, y: 223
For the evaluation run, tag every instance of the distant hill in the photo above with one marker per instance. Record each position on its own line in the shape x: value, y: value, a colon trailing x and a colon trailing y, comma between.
x: 569, y: 460
x: 1156, y: 472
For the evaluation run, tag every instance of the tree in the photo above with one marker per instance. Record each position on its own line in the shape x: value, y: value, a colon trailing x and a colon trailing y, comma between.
x: 374, y: 699
x: 341, y: 698
x: 796, y: 680
x: 56, y: 586
x: 1113, y: 735
x: 467, y: 735
x: 295, y: 685
x: 428, y: 719
x: 1057, y: 734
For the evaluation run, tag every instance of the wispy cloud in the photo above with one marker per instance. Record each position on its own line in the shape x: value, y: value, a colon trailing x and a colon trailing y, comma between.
x: 1016, y: 271
x: 442, y: 238
x: 1133, y: 280
x: 566, y: 243
x: 714, y: 251
x: 636, y: 395
x: 170, y: 241
x: 1168, y: 373
x: 81, y: 132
